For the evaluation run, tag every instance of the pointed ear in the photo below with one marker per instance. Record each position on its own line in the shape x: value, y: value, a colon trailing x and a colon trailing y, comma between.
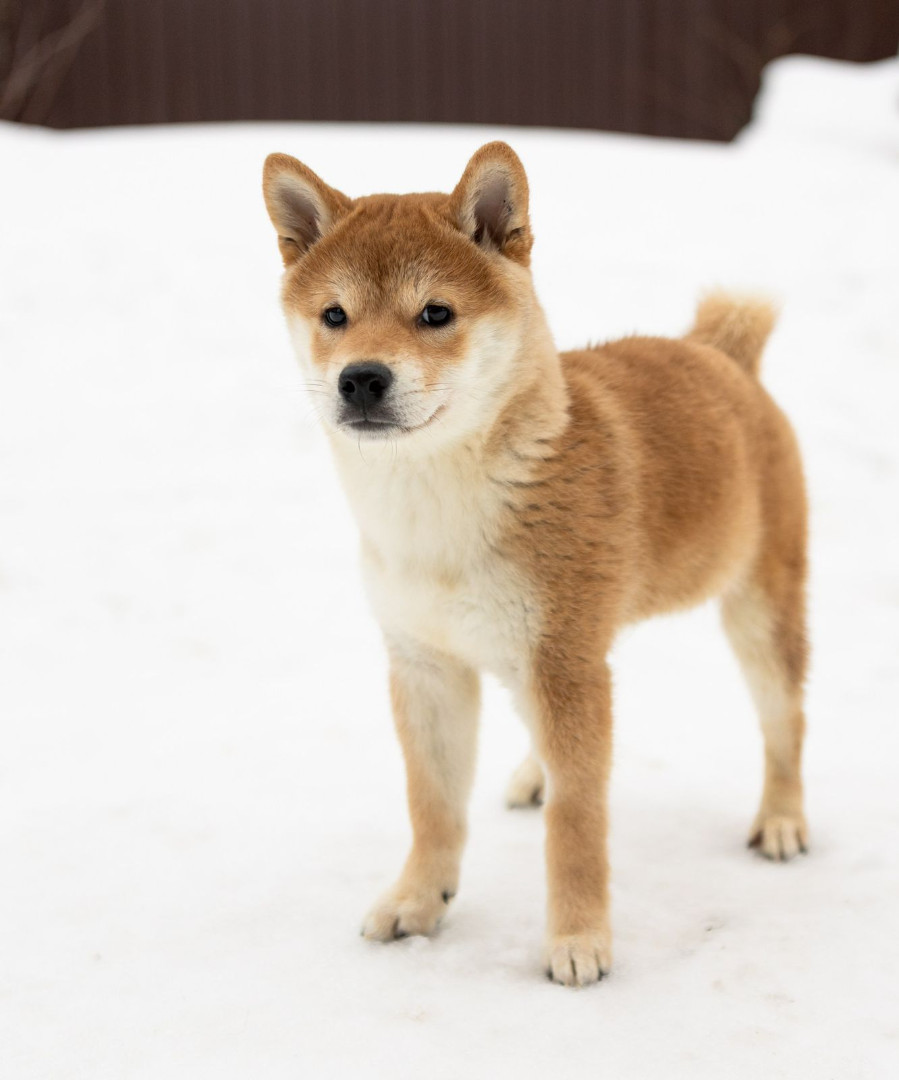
x: 302, y: 207
x: 490, y: 203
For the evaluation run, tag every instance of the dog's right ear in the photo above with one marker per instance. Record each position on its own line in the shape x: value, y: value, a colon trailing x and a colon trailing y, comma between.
x: 301, y: 205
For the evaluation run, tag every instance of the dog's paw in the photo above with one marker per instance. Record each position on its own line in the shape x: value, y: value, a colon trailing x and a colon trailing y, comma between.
x: 404, y: 911
x: 578, y: 959
x: 525, y: 788
x: 779, y: 836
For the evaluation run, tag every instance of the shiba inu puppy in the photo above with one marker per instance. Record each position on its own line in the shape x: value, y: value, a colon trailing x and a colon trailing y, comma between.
x: 517, y: 507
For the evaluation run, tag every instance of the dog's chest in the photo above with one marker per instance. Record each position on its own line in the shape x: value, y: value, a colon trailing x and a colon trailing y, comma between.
x: 437, y: 572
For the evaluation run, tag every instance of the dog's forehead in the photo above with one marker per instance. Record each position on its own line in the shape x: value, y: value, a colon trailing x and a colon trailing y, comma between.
x: 399, y: 247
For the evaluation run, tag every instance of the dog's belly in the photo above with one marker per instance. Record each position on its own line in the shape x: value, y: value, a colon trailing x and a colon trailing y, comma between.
x: 487, y: 617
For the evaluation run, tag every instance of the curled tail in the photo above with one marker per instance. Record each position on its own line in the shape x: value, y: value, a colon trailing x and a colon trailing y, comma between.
x: 736, y: 325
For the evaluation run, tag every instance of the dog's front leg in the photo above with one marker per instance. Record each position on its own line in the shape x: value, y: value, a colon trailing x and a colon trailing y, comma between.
x: 435, y: 706
x: 574, y: 735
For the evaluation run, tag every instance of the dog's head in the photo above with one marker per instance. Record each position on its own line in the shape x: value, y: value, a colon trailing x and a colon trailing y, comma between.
x: 407, y: 312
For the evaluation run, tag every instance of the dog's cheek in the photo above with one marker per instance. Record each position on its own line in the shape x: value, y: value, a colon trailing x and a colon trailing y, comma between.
x: 490, y: 351
x: 302, y: 338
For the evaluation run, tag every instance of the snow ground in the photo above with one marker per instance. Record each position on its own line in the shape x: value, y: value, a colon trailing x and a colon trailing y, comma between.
x: 201, y: 792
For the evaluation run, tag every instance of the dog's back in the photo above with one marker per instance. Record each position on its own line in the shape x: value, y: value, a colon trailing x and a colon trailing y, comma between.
x: 708, y: 461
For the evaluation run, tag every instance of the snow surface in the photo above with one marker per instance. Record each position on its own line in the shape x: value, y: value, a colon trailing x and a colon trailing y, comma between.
x: 201, y: 792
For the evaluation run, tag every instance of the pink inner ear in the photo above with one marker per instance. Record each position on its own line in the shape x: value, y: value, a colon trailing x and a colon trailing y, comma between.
x: 493, y: 207
x: 300, y: 216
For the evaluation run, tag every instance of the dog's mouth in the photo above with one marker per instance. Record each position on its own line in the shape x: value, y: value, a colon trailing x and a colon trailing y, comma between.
x: 383, y: 428
x: 372, y: 427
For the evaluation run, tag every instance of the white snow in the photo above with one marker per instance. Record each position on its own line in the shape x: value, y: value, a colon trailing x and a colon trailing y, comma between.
x: 200, y: 791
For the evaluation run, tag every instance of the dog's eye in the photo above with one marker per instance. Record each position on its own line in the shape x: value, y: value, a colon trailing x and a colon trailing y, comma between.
x: 334, y: 316
x: 436, y: 315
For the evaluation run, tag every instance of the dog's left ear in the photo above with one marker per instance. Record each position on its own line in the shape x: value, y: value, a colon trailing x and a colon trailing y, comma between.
x: 490, y: 202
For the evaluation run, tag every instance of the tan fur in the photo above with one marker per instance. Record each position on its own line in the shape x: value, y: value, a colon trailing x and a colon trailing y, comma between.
x: 738, y: 328
x: 527, y: 505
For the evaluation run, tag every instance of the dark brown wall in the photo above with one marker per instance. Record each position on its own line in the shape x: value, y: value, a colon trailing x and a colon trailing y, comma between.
x: 664, y: 67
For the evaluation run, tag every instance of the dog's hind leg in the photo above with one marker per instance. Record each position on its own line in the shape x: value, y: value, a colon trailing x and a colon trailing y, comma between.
x: 435, y: 706
x: 765, y: 620
x: 526, y: 784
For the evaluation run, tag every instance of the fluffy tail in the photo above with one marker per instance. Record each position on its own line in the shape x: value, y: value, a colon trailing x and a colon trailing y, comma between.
x: 737, y: 326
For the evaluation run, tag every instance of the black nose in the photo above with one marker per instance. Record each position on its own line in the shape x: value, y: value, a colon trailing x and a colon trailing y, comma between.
x: 365, y: 383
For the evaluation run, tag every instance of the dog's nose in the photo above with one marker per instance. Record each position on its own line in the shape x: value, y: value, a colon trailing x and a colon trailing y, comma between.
x: 365, y: 383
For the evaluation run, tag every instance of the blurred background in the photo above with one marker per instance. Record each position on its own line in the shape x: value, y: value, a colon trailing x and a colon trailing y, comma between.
x: 656, y: 67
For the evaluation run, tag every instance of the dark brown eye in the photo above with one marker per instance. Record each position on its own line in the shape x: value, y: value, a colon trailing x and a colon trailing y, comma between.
x: 334, y: 316
x: 436, y: 315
